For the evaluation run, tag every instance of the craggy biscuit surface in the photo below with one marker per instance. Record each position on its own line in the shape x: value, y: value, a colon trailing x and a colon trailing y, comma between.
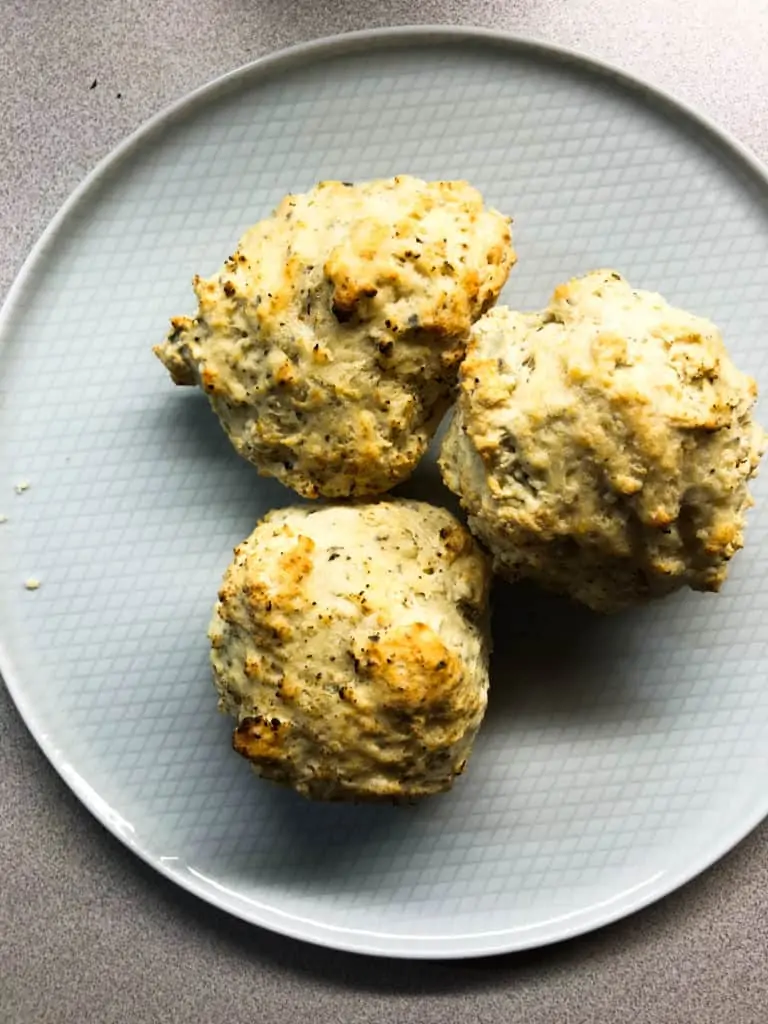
x: 603, y: 446
x: 328, y: 344
x: 351, y: 645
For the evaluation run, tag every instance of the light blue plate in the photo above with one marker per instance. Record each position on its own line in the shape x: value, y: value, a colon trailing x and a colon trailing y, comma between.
x: 619, y: 757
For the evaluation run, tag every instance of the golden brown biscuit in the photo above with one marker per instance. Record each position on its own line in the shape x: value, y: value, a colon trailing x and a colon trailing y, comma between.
x: 328, y: 344
x: 603, y: 447
x: 351, y: 645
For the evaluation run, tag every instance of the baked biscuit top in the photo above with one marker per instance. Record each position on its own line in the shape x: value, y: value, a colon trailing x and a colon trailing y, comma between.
x: 329, y: 342
x: 603, y: 446
x: 350, y: 643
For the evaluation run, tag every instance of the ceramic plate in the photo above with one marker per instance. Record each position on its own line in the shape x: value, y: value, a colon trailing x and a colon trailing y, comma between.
x: 619, y: 757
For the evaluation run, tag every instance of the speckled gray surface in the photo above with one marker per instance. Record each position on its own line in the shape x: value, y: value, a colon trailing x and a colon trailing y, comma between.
x: 88, y: 932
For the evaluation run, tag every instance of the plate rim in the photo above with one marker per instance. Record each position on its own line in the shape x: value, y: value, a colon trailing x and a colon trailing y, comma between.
x: 357, y: 940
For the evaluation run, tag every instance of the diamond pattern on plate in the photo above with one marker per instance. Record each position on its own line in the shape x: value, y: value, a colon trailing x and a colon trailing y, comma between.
x: 614, y: 751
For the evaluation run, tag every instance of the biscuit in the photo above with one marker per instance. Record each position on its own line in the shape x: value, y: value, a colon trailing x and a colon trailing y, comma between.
x: 603, y: 447
x: 350, y: 643
x: 329, y: 343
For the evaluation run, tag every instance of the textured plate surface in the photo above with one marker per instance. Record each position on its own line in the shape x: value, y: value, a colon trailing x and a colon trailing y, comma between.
x: 619, y: 757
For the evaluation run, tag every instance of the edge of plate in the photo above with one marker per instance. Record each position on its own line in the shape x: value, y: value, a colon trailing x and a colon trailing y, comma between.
x: 473, y: 944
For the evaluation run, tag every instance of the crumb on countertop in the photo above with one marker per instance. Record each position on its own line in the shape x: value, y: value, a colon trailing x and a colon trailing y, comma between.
x: 32, y: 583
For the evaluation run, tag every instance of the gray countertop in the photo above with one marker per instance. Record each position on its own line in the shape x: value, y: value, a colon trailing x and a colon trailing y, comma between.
x: 87, y: 931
